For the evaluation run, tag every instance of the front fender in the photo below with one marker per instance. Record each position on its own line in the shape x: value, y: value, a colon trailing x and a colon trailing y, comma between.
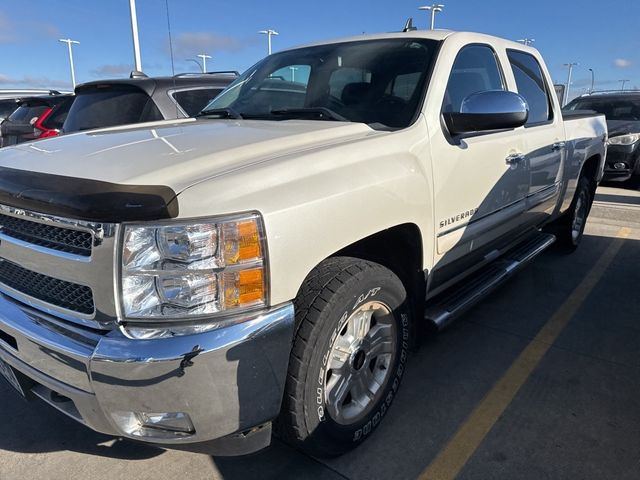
x: 318, y: 202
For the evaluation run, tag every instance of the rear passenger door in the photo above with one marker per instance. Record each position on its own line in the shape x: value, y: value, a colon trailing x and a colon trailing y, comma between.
x: 543, y: 135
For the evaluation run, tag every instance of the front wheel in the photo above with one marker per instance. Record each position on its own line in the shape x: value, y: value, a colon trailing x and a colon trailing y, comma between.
x: 348, y: 356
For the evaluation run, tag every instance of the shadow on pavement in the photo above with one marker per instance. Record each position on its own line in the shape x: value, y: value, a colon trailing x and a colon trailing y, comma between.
x: 34, y: 427
x: 279, y: 461
x: 632, y: 185
x: 618, y: 198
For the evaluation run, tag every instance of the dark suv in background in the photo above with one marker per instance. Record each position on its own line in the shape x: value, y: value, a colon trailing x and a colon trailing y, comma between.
x: 107, y: 103
x: 622, y: 110
x: 34, y: 118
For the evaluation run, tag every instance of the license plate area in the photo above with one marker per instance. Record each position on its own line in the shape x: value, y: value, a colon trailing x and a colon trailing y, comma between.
x: 21, y: 383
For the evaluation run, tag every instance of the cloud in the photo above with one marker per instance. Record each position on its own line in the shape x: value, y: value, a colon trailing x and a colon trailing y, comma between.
x: 189, y: 44
x: 113, y: 70
x: 9, y: 27
x: 49, y: 29
x: 622, y: 63
x: 28, y: 81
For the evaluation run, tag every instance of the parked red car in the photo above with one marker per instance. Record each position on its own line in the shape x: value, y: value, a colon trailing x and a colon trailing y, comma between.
x: 35, y: 118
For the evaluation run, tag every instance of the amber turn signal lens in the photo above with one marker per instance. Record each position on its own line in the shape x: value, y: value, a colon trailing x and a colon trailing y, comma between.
x: 249, y: 240
x: 251, y: 286
x: 242, y: 242
x: 244, y: 288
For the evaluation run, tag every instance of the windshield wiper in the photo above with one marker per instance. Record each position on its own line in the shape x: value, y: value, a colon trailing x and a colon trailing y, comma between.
x: 321, y: 113
x: 221, y: 113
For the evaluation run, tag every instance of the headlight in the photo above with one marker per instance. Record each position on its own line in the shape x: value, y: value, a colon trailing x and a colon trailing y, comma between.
x: 185, y: 270
x: 629, y: 139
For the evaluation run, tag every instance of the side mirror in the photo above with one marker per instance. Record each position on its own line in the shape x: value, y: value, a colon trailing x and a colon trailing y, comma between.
x: 488, y: 110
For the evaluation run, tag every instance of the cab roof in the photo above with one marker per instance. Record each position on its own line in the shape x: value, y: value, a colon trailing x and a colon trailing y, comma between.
x: 437, y: 35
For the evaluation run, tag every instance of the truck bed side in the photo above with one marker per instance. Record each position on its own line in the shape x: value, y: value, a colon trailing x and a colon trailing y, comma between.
x: 586, y: 137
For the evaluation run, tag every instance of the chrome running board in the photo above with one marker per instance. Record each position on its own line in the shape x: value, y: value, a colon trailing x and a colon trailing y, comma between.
x: 444, y: 308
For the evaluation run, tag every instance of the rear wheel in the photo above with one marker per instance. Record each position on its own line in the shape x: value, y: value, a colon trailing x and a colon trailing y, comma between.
x: 348, y: 355
x: 570, y: 228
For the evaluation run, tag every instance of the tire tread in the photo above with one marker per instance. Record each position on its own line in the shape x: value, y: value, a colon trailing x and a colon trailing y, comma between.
x: 315, y: 294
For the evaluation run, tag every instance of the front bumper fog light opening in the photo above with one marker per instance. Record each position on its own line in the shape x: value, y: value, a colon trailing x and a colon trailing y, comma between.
x: 154, y: 425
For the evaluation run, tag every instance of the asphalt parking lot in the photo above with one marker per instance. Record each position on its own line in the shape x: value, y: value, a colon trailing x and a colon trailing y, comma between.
x: 541, y: 380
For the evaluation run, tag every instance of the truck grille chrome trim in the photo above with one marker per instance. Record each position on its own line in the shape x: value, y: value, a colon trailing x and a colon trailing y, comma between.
x: 71, y: 296
x: 60, y: 266
x: 49, y: 236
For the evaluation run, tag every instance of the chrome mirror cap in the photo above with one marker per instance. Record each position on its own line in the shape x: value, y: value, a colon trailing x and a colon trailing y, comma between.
x: 488, y: 110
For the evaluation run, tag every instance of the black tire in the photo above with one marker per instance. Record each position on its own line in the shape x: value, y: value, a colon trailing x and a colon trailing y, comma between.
x: 568, y: 233
x: 324, y: 307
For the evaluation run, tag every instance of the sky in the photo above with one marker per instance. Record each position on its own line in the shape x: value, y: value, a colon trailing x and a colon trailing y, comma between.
x: 603, y: 36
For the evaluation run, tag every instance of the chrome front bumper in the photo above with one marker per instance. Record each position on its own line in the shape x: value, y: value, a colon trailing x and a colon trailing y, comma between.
x: 229, y: 381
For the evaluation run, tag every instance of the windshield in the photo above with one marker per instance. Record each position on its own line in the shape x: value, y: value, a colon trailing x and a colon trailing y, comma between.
x: 627, y: 109
x: 377, y: 82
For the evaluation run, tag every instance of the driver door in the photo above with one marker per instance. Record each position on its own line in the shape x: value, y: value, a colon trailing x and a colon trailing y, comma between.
x: 481, y: 180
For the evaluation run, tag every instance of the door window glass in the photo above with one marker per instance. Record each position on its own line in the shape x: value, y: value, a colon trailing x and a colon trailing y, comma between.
x: 474, y: 70
x: 192, y: 101
x: 531, y: 86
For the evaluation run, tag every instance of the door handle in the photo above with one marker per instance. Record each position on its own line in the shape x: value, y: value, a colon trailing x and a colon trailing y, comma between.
x: 558, y: 146
x: 514, y: 159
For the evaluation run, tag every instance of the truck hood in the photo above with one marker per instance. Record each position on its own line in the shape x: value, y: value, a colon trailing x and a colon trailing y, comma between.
x: 176, y: 154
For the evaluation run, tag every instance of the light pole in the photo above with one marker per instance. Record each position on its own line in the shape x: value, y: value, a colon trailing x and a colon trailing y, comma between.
x: 68, y: 41
x: 435, y: 8
x: 593, y: 79
x: 204, y: 57
x: 527, y: 41
x: 566, y: 91
x: 623, y: 83
x: 269, y: 33
x: 134, y: 34
x: 293, y: 73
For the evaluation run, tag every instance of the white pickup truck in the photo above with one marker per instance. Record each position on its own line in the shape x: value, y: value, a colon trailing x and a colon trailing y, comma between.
x: 196, y: 281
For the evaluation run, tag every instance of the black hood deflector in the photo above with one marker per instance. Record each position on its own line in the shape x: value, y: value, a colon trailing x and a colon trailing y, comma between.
x: 85, y: 199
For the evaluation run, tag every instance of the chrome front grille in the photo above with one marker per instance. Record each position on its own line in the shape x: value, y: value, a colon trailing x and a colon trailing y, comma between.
x: 67, y: 295
x: 48, y: 236
x: 63, y: 267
